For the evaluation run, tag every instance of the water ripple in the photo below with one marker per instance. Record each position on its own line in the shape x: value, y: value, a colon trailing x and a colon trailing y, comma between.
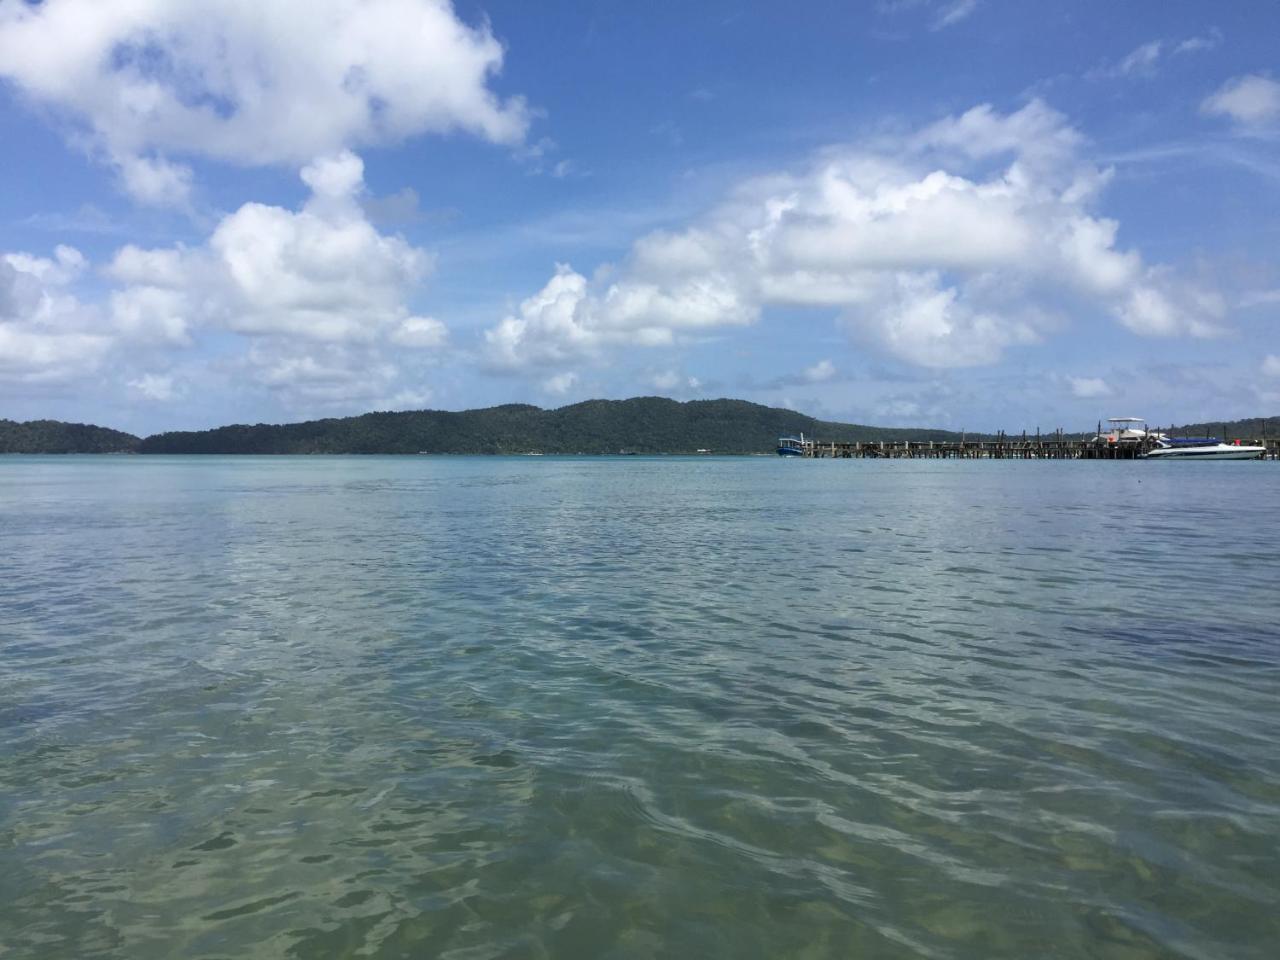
x: 455, y: 707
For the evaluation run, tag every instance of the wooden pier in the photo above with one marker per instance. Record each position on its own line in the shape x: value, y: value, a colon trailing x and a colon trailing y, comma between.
x: 1052, y: 446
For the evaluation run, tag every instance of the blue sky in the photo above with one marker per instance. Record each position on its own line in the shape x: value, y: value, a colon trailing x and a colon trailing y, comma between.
x: 963, y: 213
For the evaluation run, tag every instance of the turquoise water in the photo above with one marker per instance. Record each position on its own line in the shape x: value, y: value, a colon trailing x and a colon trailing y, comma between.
x: 629, y: 707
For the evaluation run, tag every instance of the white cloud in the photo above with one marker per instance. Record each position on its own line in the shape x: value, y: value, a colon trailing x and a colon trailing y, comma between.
x: 46, y: 333
x: 1088, y: 387
x: 560, y: 384
x: 821, y: 371
x: 1145, y: 59
x: 319, y: 292
x: 566, y: 321
x: 953, y: 12
x: 674, y: 382
x: 1141, y: 61
x: 420, y: 332
x: 320, y: 296
x: 410, y: 400
x: 1258, y: 298
x: 66, y: 264
x: 546, y: 328
x: 323, y: 273
x: 944, y: 248
x: 146, y: 79
x: 312, y: 376
x: 1163, y: 309
x: 941, y: 13
x: 1271, y: 365
x: 156, y: 386
x: 1251, y: 101
x: 1198, y: 44
x: 154, y: 180
x: 151, y: 313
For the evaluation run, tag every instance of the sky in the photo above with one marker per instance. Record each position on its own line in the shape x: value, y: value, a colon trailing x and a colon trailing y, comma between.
x: 970, y: 214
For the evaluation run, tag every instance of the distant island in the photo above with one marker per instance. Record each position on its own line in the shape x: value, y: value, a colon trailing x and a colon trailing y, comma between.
x: 642, y: 425
x: 54, y: 436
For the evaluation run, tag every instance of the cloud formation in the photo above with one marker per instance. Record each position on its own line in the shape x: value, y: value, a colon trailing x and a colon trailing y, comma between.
x: 322, y: 273
x: 943, y: 248
x: 941, y: 13
x: 952, y: 13
x: 1088, y: 387
x: 318, y: 294
x: 1251, y: 101
x: 252, y: 83
x: 1144, y: 60
x: 46, y: 333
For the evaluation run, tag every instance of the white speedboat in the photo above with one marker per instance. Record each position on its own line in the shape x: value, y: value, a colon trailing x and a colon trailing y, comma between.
x: 1204, y: 449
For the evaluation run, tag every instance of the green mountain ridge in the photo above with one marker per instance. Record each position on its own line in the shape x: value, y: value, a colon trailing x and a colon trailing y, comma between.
x: 55, y: 436
x: 639, y: 425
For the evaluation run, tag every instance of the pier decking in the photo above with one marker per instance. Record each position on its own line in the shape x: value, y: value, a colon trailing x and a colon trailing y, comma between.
x: 1002, y: 447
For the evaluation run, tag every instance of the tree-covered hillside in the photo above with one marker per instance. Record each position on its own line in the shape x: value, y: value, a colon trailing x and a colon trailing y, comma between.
x: 640, y: 425
x: 1253, y: 428
x: 53, y: 436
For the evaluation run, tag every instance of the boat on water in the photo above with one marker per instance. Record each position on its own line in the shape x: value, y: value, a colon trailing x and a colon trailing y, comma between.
x: 1127, y: 430
x: 794, y: 446
x: 1202, y: 448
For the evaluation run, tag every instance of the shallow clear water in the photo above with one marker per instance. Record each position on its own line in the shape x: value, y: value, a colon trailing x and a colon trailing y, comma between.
x: 467, y: 707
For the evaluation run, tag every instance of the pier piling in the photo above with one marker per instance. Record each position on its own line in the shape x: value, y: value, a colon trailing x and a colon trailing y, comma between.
x: 1054, y: 446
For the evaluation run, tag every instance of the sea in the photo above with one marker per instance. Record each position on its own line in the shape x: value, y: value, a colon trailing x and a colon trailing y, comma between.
x: 631, y: 707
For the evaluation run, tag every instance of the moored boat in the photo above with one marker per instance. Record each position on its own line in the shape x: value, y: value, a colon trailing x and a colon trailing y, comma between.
x: 1203, y: 448
x: 1127, y: 430
x: 794, y: 446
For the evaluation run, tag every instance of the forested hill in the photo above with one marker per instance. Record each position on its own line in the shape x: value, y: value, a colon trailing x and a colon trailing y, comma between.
x: 54, y: 436
x: 1250, y: 429
x: 640, y: 425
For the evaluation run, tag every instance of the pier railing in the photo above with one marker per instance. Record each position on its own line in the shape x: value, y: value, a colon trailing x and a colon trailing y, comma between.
x: 1050, y: 447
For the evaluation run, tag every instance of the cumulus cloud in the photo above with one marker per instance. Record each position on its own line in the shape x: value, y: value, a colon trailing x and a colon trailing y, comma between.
x: 322, y: 273
x: 943, y: 247
x: 145, y: 80
x: 151, y: 313
x: 566, y: 321
x: 46, y: 333
x: 1251, y: 101
x: 320, y: 292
